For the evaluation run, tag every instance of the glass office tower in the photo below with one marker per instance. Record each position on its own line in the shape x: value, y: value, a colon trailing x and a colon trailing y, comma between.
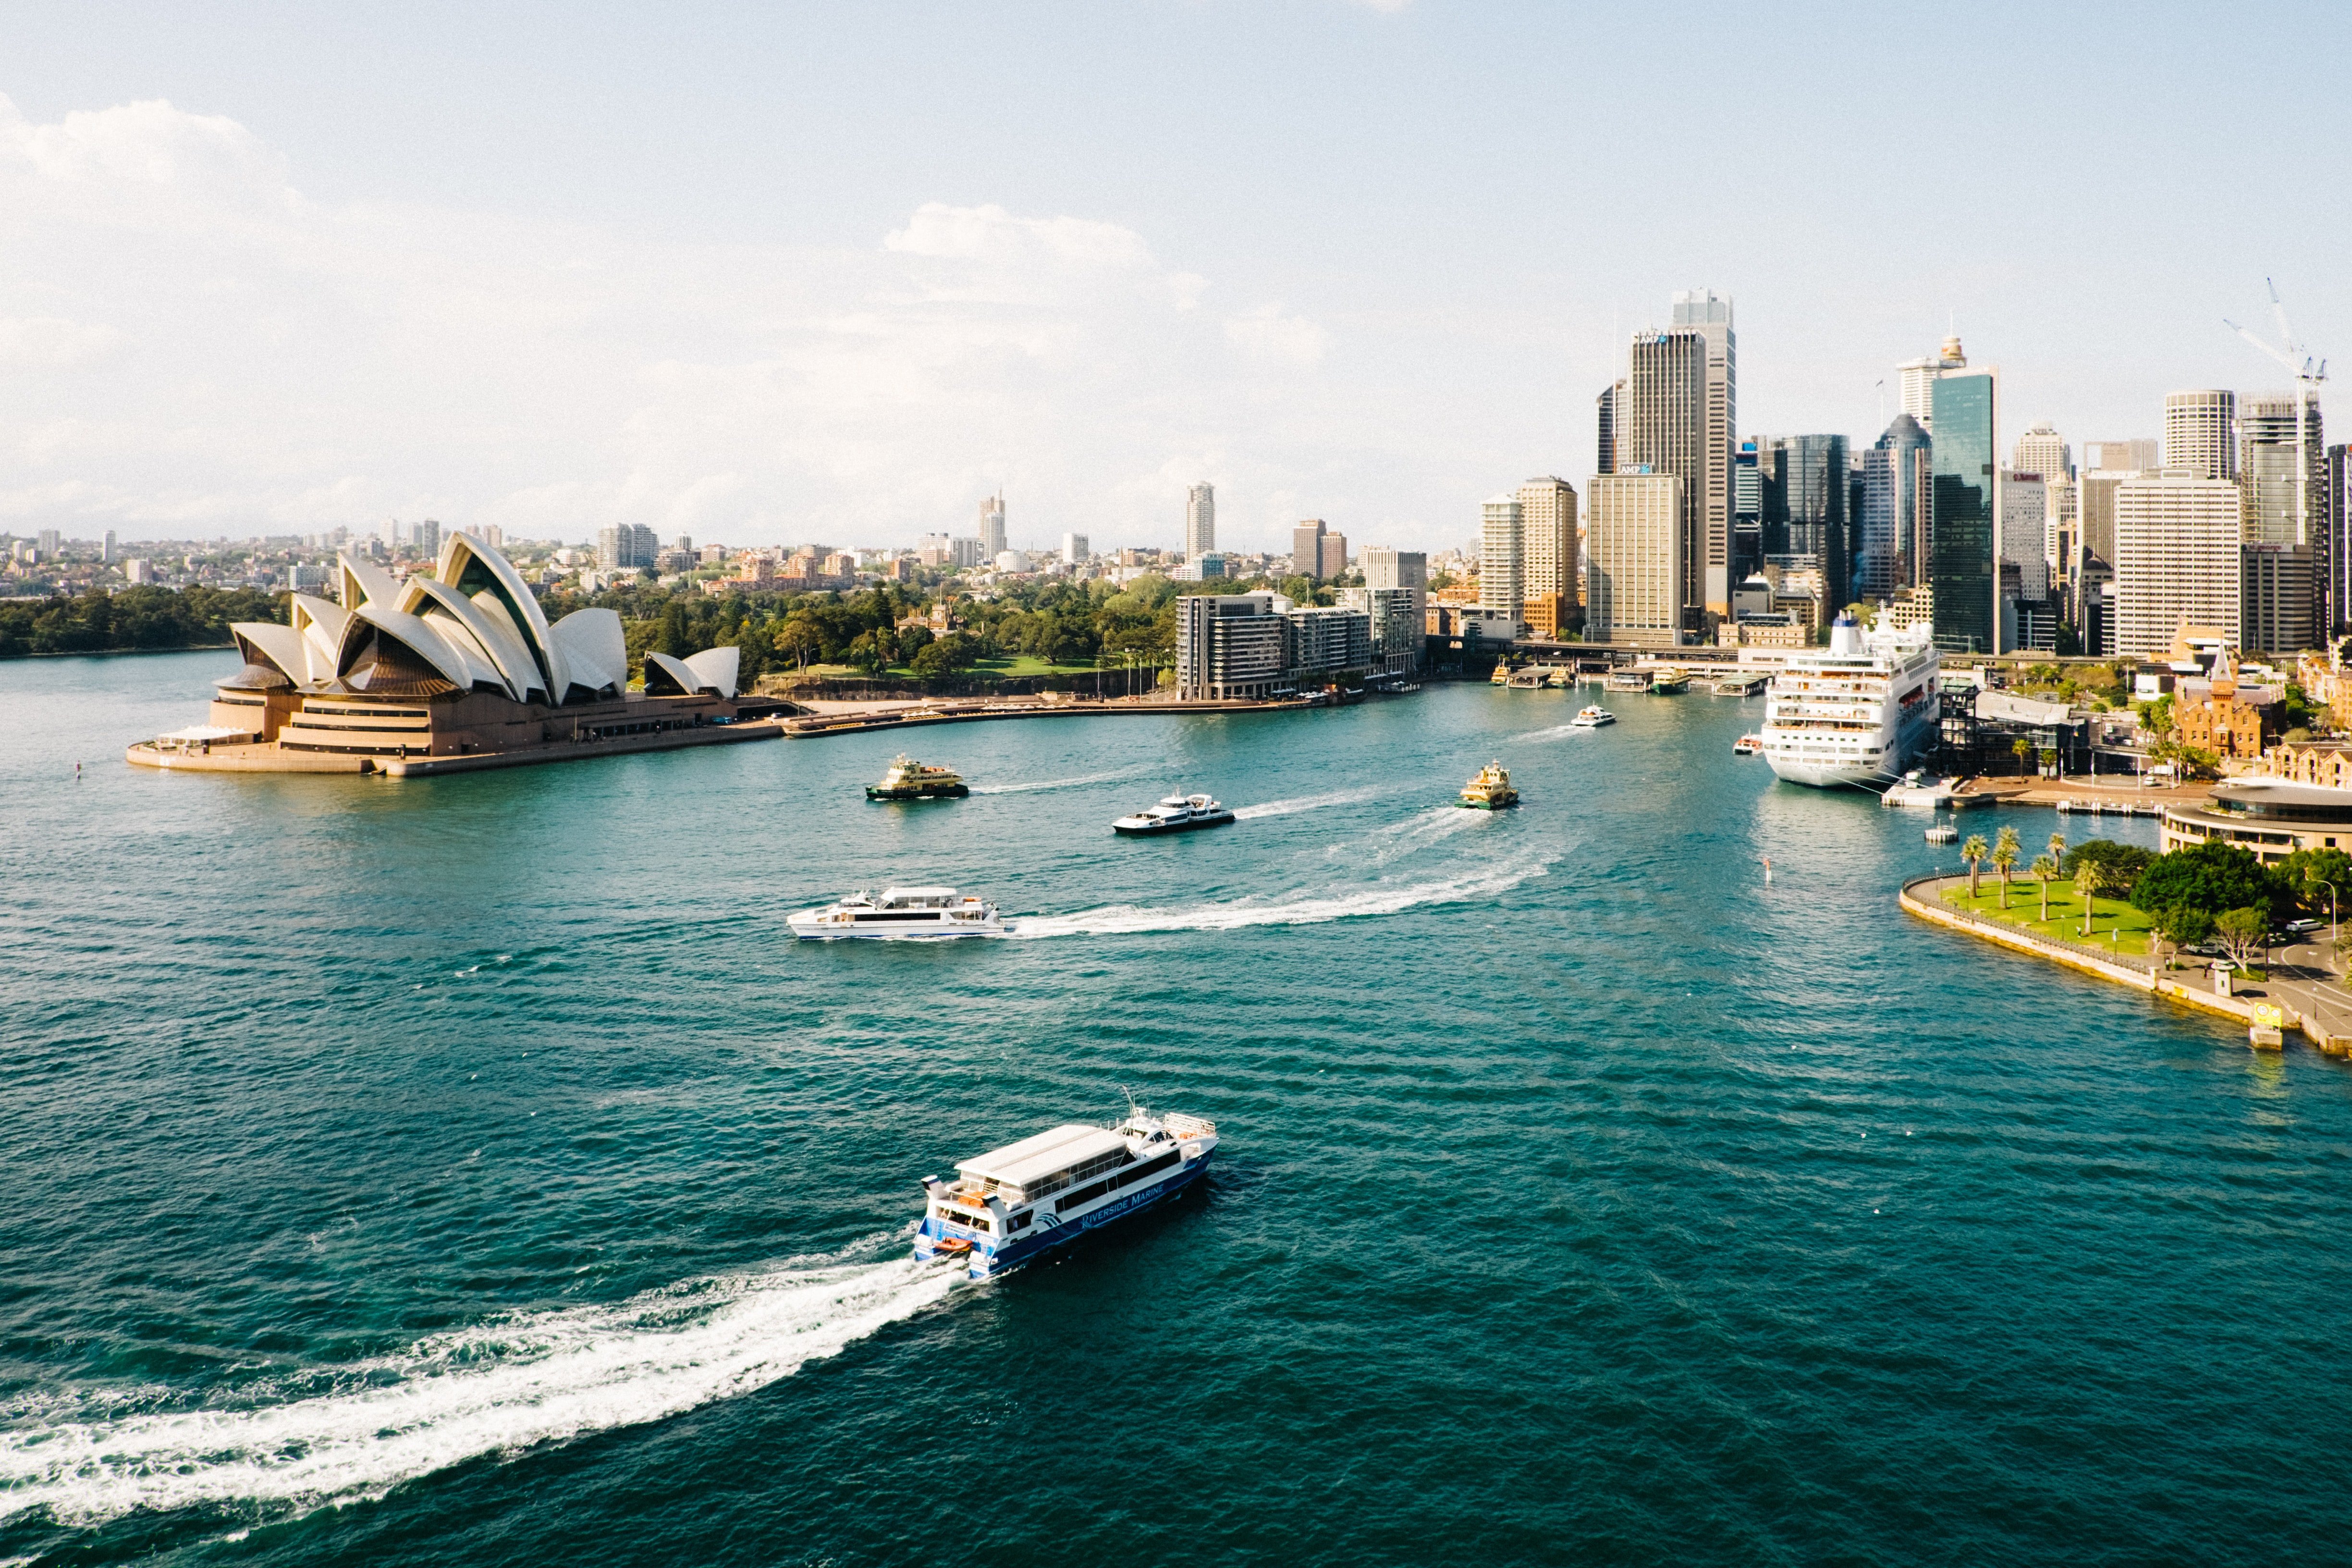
x: 1963, y: 557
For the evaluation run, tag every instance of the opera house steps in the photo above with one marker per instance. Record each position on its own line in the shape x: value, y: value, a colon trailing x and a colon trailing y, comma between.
x: 450, y: 673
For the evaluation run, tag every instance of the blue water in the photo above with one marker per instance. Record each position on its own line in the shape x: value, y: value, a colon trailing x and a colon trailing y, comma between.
x: 467, y: 1170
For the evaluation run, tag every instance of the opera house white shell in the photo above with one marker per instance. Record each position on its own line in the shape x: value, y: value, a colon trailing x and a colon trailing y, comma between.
x: 458, y: 669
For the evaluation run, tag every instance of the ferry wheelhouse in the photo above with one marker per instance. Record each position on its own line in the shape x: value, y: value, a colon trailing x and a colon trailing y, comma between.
x: 1006, y: 1206
x: 900, y: 912
x: 1856, y: 711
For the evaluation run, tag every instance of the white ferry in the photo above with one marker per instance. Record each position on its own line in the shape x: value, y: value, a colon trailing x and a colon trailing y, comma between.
x: 900, y: 912
x: 1591, y: 717
x: 1177, y: 813
x: 1006, y: 1206
x: 1855, y: 711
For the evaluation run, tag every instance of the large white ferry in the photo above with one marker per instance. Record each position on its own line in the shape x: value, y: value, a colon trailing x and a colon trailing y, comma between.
x: 899, y: 912
x: 1855, y: 711
x: 1009, y: 1205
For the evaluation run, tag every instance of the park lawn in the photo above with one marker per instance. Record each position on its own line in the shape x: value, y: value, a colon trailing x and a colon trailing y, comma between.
x: 1026, y: 664
x: 2065, y: 921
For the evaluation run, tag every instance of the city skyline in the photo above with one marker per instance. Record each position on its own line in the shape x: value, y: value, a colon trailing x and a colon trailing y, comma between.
x: 540, y: 319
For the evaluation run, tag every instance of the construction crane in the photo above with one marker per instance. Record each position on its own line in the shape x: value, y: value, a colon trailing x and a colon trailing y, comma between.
x: 2308, y: 373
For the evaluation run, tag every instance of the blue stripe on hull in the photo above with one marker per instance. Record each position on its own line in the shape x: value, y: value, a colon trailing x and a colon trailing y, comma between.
x: 988, y: 1261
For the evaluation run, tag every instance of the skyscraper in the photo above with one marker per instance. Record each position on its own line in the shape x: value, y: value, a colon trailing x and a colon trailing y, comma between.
x: 1075, y: 551
x: 1502, y: 556
x: 1709, y: 314
x: 991, y: 528
x: 1610, y: 408
x: 1307, y: 548
x: 1666, y: 433
x: 1895, y: 487
x: 2041, y: 451
x: 1964, y: 565
x: 2279, y: 511
x: 1200, y: 521
x: 1916, y: 379
x: 1331, y: 557
x: 1634, y: 568
x: 2024, y: 531
x: 1547, y: 511
x: 1814, y: 491
x: 2137, y: 456
x: 2200, y: 433
x: 1388, y: 567
x: 2177, y: 560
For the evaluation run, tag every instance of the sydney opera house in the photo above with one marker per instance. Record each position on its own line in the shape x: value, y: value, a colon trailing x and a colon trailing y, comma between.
x: 443, y: 673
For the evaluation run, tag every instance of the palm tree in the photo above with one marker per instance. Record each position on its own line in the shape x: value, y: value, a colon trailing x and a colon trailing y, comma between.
x: 2058, y: 849
x: 1974, y: 852
x: 2089, y: 878
x: 2045, y: 868
x: 2005, y: 851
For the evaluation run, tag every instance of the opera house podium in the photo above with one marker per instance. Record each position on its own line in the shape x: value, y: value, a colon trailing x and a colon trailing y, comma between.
x: 447, y: 673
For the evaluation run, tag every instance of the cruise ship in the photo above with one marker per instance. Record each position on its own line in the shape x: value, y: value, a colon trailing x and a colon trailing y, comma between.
x: 1006, y: 1206
x: 1856, y: 711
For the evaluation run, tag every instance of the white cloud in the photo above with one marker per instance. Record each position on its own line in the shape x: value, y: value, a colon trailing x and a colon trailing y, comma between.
x: 1269, y: 336
x: 47, y: 343
x: 992, y: 233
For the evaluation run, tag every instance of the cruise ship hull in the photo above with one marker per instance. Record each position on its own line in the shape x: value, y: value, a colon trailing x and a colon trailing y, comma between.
x: 1855, y: 713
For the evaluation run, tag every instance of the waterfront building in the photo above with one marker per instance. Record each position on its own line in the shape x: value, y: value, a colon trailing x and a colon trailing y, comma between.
x: 1963, y: 564
x: 1231, y: 644
x: 991, y: 528
x: 1393, y: 620
x: 2178, y: 560
x: 2041, y: 451
x: 1325, y: 640
x: 1406, y: 571
x: 1548, y: 592
x: 1634, y: 574
x: 1707, y: 313
x: 458, y: 668
x: 1200, y: 521
x: 1896, y: 488
x: 1502, y: 557
x: 1666, y: 433
x: 2271, y: 817
x: 2200, y: 433
x: 1307, y: 548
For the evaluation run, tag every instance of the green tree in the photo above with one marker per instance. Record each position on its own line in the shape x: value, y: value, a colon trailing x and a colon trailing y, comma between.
x: 2005, y: 852
x: 1973, y: 852
x: 2090, y: 877
x: 2213, y: 876
x: 2122, y: 862
x: 2180, y: 927
x: 2241, y: 931
x: 2045, y: 868
x: 676, y: 637
x: 2313, y: 875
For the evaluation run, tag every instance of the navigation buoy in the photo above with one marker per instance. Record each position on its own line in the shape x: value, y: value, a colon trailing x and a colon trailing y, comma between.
x: 1768, y: 869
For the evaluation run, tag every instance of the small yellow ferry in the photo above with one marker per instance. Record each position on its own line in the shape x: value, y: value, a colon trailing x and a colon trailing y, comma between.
x: 1490, y: 790
x: 910, y: 780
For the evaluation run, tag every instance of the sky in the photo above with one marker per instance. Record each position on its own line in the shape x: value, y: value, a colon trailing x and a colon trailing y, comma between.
x: 836, y: 273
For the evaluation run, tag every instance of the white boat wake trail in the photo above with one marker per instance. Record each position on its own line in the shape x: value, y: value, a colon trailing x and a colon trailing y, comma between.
x: 1053, y: 783
x: 1302, y: 803
x: 1557, y: 732
x: 1128, y: 920
x: 498, y: 1388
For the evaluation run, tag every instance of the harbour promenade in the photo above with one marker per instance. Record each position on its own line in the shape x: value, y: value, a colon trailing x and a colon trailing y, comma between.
x: 836, y: 717
x: 2314, y: 999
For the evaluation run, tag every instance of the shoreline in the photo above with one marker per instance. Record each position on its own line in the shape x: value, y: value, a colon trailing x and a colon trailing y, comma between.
x: 125, y: 652
x: 2079, y: 957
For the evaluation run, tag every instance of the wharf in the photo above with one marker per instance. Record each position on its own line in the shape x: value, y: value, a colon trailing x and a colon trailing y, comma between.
x: 2078, y: 794
x: 2313, y: 1000
x: 845, y: 719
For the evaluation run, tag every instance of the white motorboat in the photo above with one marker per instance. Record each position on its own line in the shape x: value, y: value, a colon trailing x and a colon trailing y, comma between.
x: 1007, y: 1205
x: 1857, y: 711
x: 901, y: 913
x: 1592, y: 719
x: 1177, y: 813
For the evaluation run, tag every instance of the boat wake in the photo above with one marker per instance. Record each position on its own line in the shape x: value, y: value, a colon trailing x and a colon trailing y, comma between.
x: 1557, y: 732
x: 1053, y: 783
x: 498, y: 1388
x: 1301, y: 803
x: 1125, y: 920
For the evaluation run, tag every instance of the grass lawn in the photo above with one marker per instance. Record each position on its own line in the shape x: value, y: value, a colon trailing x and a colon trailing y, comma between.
x: 2066, y: 921
x: 1024, y: 665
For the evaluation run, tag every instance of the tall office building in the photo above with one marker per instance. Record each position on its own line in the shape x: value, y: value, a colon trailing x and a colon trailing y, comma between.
x: 1747, y: 511
x: 1895, y: 487
x: 1075, y: 551
x: 1814, y: 487
x: 2278, y: 596
x: 991, y: 527
x: 1502, y: 556
x: 2200, y: 433
x: 1916, y: 380
x: 1707, y: 313
x: 106, y: 549
x: 2177, y: 562
x: 2041, y: 451
x: 1331, y: 558
x: 2279, y: 511
x: 1963, y: 557
x: 1200, y: 521
x: 1548, y: 513
x: 1307, y: 548
x: 2137, y: 456
x: 1610, y: 410
x: 1407, y: 570
x: 1666, y: 433
x: 2338, y: 476
x: 1633, y: 572
x: 2025, y: 533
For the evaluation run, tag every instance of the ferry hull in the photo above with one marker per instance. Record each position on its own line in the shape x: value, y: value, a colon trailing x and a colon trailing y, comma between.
x: 987, y: 1260
x: 946, y: 792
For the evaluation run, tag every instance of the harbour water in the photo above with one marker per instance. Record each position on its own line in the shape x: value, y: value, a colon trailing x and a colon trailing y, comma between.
x: 469, y: 1169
